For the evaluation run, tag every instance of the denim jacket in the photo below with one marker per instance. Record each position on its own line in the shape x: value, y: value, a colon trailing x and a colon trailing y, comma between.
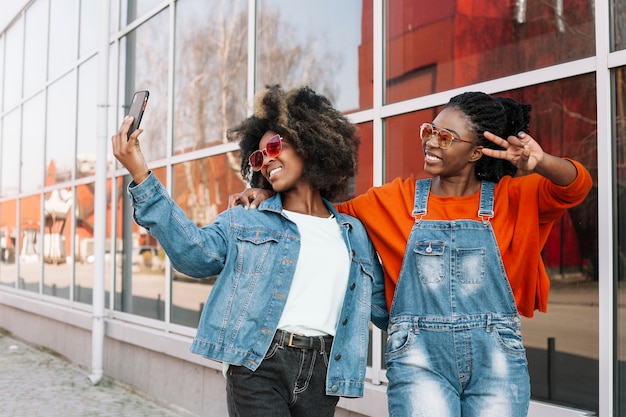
x: 255, y: 254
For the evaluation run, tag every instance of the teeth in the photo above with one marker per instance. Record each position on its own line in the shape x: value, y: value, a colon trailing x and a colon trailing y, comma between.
x: 432, y: 157
x: 275, y: 170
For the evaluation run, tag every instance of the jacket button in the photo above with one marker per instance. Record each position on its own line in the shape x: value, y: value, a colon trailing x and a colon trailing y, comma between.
x: 353, y: 252
x: 344, y: 322
x: 352, y: 286
x: 335, y: 388
x: 338, y: 356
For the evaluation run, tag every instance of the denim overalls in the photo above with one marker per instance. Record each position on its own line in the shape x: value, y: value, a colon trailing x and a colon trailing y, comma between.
x: 455, y: 345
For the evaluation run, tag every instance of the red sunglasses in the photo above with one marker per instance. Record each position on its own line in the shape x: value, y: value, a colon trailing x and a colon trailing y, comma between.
x: 273, y: 147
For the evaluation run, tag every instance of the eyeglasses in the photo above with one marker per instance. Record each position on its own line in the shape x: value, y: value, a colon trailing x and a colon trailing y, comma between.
x: 444, y: 136
x: 273, y: 147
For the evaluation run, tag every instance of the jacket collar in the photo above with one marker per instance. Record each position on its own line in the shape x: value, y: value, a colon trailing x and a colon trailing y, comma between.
x: 275, y: 204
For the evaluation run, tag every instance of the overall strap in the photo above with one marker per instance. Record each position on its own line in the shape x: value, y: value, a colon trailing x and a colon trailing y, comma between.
x: 485, y: 210
x: 422, y: 188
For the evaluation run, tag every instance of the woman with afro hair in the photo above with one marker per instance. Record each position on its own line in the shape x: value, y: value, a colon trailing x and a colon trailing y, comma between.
x: 298, y: 282
x: 461, y: 252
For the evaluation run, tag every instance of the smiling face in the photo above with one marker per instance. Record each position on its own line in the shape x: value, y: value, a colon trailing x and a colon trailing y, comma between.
x: 285, y: 171
x: 458, y: 159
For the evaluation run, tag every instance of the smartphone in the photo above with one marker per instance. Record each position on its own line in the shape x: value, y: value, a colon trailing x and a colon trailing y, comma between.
x: 137, y: 107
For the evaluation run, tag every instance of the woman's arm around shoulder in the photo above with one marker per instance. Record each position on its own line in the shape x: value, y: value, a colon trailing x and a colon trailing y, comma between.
x: 379, y: 313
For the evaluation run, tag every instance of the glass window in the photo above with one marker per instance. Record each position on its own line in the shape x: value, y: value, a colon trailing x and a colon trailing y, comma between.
x: 211, y: 70
x: 201, y: 188
x: 63, y: 36
x: 140, y: 276
x: 325, y: 44
x: 562, y: 345
x: 432, y: 49
x: 60, y: 140
x: 32, y: 165
x: 10, y: 153
x: 83, y: 207
x: 2, y: 60
x: 86, y: 141
x: 30, y: 243
x: 8, y: 242
x: 365, y: 176
x: 145, y: 67
x: 619, y: 24
x: 89, y: 28
x: 13, y: 67
x: 57, y: 275
x: 132, y: 9
x: 82, y: 204
x: 403, y: 147
x: 620, y: 203
x: 36, y: 40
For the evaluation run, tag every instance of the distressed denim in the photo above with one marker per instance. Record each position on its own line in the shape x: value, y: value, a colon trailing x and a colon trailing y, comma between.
x: 255, y: 254
x: 455, y: 346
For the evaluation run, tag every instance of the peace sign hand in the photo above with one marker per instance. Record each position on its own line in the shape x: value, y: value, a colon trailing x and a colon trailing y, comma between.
x: 521, y: 150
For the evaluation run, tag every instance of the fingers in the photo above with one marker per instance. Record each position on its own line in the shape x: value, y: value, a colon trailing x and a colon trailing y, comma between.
x: 238, y: 200
x: 121, y: 137
x: 121, y: 143
x: 248, y: 198
x: 496, y: 139
x: 519, y: 143
x: 521, y: 140
x: 127, y: 151
x: 254, y: 203
x: 233, y: 200
x: 125, y: 126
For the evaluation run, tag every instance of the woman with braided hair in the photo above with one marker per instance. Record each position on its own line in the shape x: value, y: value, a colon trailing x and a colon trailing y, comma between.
x: 461, y: 253
x: 298, y: 282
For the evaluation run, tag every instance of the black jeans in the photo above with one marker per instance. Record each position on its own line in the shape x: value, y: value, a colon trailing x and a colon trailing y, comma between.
x: 290, y: 382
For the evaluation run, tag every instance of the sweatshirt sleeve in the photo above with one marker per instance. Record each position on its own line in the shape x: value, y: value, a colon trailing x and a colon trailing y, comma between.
x: 554, y: 199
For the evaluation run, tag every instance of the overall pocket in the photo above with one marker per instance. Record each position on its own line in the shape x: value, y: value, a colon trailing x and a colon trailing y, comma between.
x: 430, y: 261
x: 470, y: 265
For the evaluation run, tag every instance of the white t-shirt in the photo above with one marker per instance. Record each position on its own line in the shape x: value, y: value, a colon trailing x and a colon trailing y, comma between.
x: 319, y: 284
x: 321, y: 277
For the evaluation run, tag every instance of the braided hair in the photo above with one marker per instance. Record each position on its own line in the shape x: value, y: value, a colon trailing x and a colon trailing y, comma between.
x: 325, y: 138
x: 499, y: 115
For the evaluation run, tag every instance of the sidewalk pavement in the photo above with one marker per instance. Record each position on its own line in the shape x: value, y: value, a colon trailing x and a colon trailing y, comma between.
x: 35, y: 383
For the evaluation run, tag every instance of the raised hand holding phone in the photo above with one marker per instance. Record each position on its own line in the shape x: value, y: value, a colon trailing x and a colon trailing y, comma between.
x: 128, y: 152
x: 137, y: 107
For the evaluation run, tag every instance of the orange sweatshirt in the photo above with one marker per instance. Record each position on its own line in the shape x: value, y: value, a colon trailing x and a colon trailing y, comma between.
x: 525, y: 209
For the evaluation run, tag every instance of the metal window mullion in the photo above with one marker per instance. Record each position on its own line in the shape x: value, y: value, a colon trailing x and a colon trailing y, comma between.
x: 378, y: 145
x: 606, y: 216
x: 170, y: 150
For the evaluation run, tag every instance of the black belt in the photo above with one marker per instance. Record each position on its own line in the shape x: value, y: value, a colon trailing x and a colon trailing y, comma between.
x: 297, y: 341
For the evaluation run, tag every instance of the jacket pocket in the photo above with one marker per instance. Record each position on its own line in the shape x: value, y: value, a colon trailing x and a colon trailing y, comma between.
x: 256, y: 251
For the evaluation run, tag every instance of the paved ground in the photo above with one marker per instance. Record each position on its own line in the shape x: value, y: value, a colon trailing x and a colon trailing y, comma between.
x: 36, y: 383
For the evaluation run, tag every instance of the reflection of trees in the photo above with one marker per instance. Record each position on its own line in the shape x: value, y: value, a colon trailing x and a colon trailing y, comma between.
x: 619, y: 16
x: 147, y: 68
x: 286, y: 58
x: 563, y: 121
x: 620, y: 164
x: 210, y: 92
